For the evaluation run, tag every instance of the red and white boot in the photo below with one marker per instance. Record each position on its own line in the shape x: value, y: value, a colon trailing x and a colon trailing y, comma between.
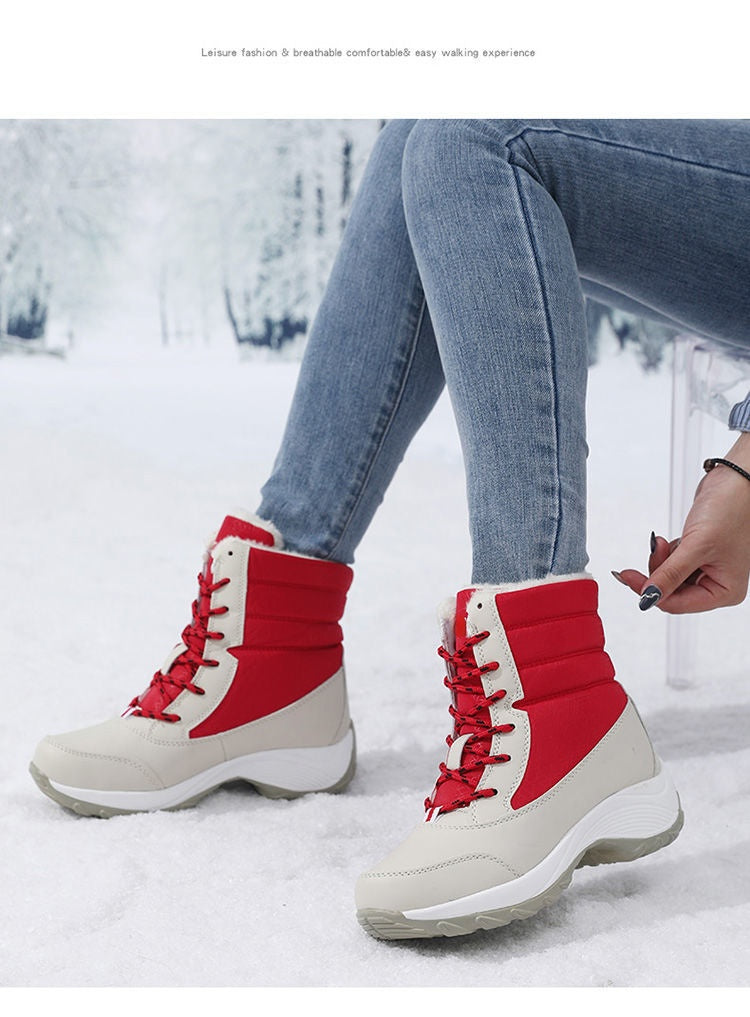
x: 549, y: 767
x: 255, y: 691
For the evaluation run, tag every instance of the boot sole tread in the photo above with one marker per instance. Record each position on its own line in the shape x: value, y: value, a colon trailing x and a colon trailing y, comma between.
x: 81, y: 807
x: 384, y: 924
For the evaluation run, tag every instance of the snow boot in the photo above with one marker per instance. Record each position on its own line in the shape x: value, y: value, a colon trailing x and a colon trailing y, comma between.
x: 255, y: 691
x: 549, y: 767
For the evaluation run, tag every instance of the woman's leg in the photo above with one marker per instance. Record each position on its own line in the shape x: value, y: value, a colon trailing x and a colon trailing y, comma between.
x: 504, y: 217
x: 370, y: 375
x: 549, y: 765
x: 256, y: 689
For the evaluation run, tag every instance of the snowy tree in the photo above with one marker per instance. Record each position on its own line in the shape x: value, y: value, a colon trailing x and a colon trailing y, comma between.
x: 58, y: 215
x: 248, y: 216
x: 181, y: 228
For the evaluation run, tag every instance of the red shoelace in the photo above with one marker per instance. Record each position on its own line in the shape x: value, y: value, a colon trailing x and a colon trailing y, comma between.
x: 164, y: 688
x: 471, y: 715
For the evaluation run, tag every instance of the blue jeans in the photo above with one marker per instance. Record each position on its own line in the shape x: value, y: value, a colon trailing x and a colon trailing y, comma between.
x: 465, y: 261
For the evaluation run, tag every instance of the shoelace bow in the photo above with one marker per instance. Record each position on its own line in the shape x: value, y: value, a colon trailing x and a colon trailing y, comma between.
x: 474, y: 720
x: 182, y: 672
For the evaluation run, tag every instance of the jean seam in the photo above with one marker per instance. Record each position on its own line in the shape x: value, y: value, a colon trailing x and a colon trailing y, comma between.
x: 378, y: 447
x: 575, y: 135
x: 550, y: 333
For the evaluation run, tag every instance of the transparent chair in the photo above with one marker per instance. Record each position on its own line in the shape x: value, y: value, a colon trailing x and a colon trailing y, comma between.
x: 708, y: 379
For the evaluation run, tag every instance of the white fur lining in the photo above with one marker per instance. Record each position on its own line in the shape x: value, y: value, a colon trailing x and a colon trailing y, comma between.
x: 247, y: 517
x: 265, y: 524
x: 447, y: 608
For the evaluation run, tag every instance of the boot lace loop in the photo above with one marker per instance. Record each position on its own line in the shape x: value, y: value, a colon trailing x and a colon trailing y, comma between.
x: 181, y: 674
x: 464, y: 680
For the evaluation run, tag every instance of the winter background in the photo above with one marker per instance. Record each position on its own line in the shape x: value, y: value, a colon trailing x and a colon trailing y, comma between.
x: 156, y: 282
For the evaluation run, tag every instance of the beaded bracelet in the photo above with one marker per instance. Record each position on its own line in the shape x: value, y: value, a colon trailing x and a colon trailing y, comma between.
x: 710, y: 463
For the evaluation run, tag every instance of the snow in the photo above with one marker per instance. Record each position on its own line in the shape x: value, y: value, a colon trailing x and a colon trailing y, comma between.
x: 117, y: 465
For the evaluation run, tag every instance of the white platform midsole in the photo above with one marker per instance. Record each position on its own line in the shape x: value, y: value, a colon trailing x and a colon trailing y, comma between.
x: 638, y: 812
x: 295, y: 770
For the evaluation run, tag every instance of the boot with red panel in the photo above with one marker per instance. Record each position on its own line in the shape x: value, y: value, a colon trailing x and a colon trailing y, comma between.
x: 548, y: 768
x: 254, y: 691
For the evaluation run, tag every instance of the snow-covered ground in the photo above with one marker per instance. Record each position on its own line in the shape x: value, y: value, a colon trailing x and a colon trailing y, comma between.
x: 115, y: 468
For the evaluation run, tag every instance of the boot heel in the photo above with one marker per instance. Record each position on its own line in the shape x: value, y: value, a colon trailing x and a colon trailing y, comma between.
x: 324, y: 779
x: 636, y: 822
x: 605, y: 852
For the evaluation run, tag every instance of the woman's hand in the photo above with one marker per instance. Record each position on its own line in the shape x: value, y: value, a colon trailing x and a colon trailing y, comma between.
x: 709, y: 565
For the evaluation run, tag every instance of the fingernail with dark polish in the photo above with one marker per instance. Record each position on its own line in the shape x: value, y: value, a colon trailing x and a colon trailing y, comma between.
x: 650, y: 596
x: 619, y: 578
x: 653, y: 542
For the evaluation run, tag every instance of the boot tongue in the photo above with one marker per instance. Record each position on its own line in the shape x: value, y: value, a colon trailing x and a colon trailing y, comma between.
x: 459, y: 626
x: 246, y: 529
x: 465, y: 701
x: 157, y: 697
x: 179, y: 666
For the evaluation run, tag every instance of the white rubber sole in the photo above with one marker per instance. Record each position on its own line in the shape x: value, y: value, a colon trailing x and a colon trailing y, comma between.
x: 629, y: 824
x: 275, y: 773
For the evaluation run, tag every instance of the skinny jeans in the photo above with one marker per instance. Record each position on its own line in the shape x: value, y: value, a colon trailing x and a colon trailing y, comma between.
x: 468, y: 252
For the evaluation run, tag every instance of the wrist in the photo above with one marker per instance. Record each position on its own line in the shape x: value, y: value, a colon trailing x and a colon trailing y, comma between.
x: 739, y: 453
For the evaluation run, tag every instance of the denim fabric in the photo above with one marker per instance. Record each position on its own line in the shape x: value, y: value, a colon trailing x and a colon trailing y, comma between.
x: 739, y: 418
x: 465, y: 260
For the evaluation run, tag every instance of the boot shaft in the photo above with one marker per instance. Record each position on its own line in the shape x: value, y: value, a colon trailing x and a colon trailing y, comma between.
x: 288, y: 608
x: 533, y: 692
x: 262, y: 613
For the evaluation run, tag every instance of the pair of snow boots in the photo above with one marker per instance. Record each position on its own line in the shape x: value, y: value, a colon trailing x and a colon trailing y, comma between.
x: 548, y: 764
